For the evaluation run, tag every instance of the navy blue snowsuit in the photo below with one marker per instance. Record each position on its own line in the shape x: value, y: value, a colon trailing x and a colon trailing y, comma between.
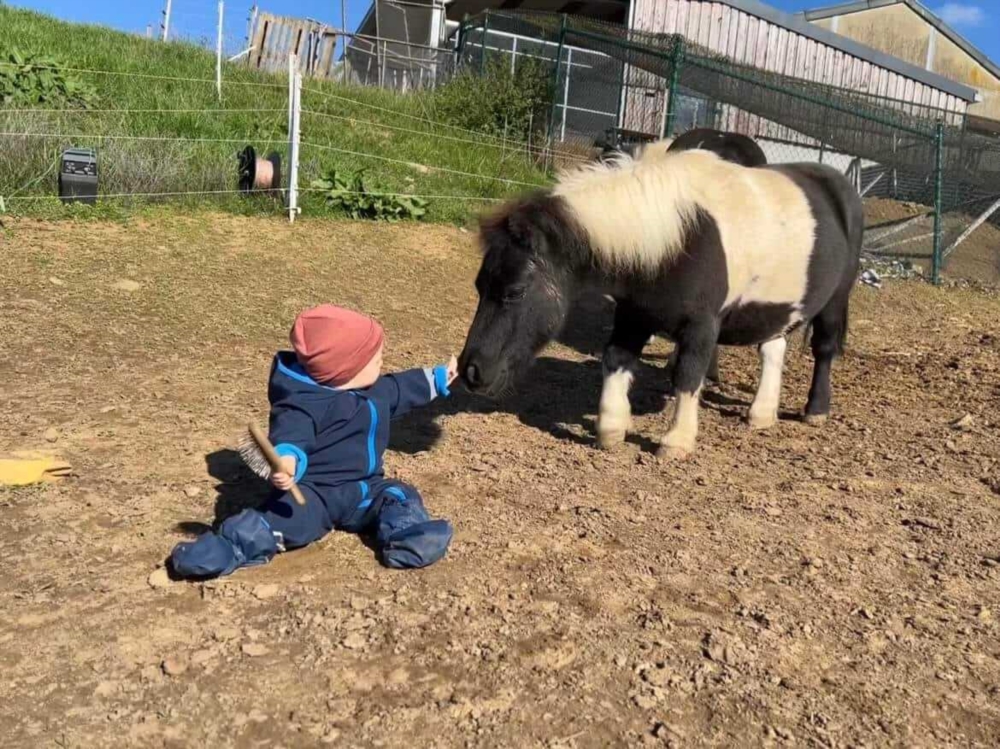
x: 337, y: 438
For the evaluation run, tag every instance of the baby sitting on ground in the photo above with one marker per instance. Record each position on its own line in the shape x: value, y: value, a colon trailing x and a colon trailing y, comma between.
x: 330, y: 413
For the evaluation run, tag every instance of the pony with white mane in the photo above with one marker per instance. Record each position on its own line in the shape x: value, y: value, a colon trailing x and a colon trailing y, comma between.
x: 692, y: 247
x: 730, y: 146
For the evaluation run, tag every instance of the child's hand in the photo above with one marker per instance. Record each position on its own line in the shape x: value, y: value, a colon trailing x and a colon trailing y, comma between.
x: 452, y: 369
x: 283, y: 479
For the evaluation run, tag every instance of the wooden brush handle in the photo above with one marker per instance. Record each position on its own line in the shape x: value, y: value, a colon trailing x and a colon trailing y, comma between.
x: 272, y: 457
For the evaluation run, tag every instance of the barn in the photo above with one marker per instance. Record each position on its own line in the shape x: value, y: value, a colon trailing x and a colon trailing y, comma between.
x: 757, y: 35
x: 908, y: 30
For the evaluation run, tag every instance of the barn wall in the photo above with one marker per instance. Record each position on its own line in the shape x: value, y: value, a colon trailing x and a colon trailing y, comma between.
x: 760, y: 43
x: 898, y: 31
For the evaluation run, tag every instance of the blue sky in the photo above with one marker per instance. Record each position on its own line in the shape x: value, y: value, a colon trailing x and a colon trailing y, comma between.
x: 977, y: 20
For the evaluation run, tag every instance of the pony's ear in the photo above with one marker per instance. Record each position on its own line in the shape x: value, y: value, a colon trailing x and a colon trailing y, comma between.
x: 512, y: 220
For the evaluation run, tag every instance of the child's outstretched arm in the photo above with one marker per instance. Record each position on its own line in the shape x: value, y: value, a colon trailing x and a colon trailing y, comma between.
x: 414, y: 388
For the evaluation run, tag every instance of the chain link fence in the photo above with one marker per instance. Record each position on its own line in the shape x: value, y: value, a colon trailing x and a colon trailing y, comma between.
x: 929, y: 184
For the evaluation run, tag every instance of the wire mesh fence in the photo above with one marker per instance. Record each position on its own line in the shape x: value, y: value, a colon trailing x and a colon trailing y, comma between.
x: 927, y: 181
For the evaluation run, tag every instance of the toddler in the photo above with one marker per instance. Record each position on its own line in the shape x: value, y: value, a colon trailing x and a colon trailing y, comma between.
x: 329, y: 423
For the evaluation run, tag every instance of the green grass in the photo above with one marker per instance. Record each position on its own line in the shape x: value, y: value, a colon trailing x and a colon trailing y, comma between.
x: 383, y: 124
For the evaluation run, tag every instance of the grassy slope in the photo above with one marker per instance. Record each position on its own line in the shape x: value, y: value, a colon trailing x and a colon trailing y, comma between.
x: 147, y: 166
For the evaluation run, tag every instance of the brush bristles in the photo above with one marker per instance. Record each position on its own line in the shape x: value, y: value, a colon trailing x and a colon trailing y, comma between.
x: 253, y: 456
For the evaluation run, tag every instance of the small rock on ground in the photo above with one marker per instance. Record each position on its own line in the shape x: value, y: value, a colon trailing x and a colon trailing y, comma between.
x: 158, y: 578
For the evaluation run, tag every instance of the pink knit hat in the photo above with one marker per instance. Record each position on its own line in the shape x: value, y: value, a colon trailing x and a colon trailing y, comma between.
x: 333, y: 344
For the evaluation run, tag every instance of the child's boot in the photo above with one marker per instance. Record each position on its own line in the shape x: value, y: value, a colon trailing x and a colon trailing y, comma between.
x: 242, y: 540
x: 406, y: 536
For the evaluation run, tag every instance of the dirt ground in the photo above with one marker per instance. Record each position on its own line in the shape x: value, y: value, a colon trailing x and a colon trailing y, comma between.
x: 835, y: 586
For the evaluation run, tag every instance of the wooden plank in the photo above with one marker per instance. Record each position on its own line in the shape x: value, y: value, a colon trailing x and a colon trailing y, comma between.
x: 683, y: 17
x: 882, y: 85
x: 670, y: 22
x: 732, y: 26
x: 829, y: 62
x: 839, y: 68
x: 656, y: 20
x: 693, y: 14
x: 782, y: 49
x: 771, y: 51
x: 809, y: 70
x: 759, y: 59
x: 865, y: 79
x: 746, y: 32
x: 715, y: 28
x: 705, y: 25
x: 725, y: 35
x: 259, y: 38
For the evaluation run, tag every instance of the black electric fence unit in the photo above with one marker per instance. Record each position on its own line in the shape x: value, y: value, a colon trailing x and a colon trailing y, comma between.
x: 78, y: 176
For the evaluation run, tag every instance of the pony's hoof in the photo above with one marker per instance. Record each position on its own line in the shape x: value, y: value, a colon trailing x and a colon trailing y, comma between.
x: 816, y: 420
x: 672, y: 453
x: 608, y: 439
x: 762, y: 420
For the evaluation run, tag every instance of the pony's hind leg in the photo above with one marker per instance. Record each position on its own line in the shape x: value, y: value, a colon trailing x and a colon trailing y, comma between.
x: 621, y: 359
x: 694, y: 354
x: 764, y: 409
x: 829, y: 329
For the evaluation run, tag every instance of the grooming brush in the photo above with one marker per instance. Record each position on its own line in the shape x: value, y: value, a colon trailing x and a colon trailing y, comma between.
x: 259, y: 455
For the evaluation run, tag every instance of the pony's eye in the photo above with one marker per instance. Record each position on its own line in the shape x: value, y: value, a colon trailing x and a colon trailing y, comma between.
x: 514, y: 295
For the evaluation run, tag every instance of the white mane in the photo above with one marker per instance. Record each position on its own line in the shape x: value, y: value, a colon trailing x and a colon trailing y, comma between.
x: 636, y: 209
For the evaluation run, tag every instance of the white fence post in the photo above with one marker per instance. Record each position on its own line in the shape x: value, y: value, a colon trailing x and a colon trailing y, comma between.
x: 166, y: 21
x: 569, y: 71
x: 218, y: 53
x: 294, y: 114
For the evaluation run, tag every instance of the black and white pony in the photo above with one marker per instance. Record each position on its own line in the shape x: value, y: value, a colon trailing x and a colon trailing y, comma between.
x: 734, y: 147
x: 691, y: 247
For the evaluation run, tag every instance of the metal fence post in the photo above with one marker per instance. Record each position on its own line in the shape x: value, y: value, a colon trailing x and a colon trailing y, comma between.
x: 555, y: 80
x: 484, y: 41
x: 565, y: 105
x: 676, y: 62
x: 460, y: 47
x: 938, y: 201
x: 895, y: 158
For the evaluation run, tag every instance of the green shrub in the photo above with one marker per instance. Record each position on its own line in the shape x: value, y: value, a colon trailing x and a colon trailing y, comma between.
x: 496, y: 101
x: 32, y: 79
x: 350, y: 194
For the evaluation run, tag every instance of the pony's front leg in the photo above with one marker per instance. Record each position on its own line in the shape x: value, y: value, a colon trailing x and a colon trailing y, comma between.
x: 713, y: 366
x: 764, y: 409
x: 694, y: 354
x: 614, y: 417
x: 621, y: 359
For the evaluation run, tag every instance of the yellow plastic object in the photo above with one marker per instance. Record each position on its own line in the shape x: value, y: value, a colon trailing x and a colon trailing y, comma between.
x: 24, y: 471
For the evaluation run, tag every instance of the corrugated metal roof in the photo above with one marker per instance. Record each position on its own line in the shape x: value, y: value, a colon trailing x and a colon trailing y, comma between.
x: 858, y: 5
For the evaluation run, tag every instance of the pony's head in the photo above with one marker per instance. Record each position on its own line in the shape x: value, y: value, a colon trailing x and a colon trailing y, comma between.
x: 523, y: 284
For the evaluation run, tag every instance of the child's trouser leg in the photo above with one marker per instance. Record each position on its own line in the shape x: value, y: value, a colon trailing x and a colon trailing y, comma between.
x: 253, y: 537
x: 406, y: 536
